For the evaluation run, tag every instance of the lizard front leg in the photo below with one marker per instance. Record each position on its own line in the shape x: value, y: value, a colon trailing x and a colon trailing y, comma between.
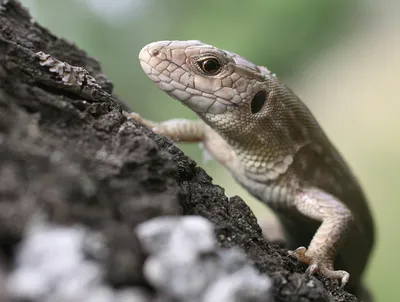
x: 188, y: 131
x: 179, y: 130
x: 336, y: 220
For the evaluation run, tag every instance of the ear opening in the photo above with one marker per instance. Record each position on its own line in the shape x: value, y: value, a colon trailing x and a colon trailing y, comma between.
x: 258, y: 101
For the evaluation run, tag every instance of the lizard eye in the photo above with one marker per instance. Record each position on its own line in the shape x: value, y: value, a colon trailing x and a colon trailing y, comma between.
x: 209, y: 66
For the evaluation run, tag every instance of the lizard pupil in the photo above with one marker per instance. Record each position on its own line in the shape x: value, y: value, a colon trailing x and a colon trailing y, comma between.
x: 258, y: 101
x: 210, y: 66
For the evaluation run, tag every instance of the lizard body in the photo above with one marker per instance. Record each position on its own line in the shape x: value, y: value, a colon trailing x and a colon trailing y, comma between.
x: 270, y: 142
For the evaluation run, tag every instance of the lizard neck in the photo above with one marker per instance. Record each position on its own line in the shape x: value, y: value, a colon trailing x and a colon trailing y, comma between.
x: 262, y: 161
x: 267, y: 163
x: 264, y: 155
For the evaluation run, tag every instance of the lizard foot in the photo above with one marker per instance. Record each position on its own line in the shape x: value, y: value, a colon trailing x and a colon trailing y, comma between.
x: 135, y: 116
x: 318, y: 264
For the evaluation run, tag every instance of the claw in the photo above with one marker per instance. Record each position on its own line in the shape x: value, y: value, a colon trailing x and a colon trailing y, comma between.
x: 345, y: 279
x: 300, y: 254
x: 300, y: 250
x: 312, y: 269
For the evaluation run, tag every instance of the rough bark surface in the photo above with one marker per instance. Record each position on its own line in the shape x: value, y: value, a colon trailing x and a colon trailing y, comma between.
x: 68, y: 151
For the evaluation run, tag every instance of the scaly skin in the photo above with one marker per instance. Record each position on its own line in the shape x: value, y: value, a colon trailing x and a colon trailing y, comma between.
x: 273, y: 146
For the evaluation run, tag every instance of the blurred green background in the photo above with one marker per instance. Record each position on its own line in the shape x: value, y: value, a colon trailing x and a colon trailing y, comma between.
x: 341, y: 57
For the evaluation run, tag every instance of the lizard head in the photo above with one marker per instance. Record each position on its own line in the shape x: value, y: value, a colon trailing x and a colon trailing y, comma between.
x: 234, y: 96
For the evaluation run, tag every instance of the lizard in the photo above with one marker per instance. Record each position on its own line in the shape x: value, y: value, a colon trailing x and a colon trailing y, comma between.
x: 271, y: 143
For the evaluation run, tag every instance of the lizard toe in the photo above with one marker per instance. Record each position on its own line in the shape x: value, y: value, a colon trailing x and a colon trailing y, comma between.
x: 318, y: 265
x: 300, y: 255
x: 312, y: 269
